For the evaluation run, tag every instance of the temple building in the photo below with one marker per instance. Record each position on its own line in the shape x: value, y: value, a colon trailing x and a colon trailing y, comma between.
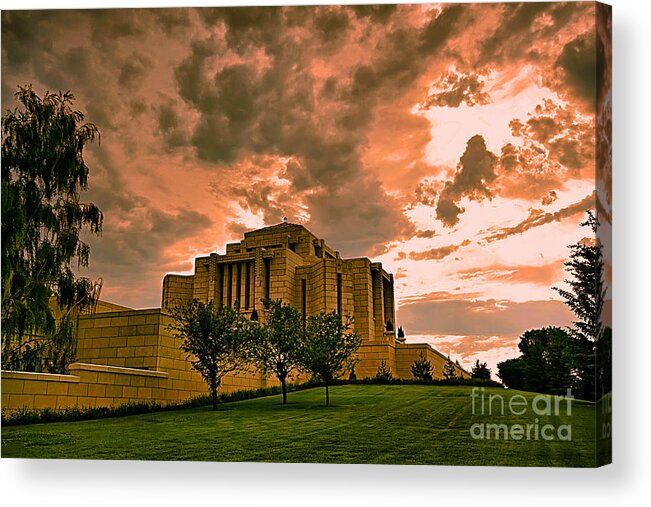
x: 288, y: 262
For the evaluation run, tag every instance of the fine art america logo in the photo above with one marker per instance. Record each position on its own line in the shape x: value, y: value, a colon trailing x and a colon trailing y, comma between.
x: 535, y: 416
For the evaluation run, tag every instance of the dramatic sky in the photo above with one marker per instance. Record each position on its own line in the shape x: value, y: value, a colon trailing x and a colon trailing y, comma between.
x: 455, y: 144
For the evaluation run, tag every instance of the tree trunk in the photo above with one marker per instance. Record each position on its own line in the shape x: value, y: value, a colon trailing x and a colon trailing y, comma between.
x: 327, y: 394
x: 213, y: 391
x: 282, y: 378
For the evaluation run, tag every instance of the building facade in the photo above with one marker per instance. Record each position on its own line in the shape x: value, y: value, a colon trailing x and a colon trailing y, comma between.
x: 288, y: 262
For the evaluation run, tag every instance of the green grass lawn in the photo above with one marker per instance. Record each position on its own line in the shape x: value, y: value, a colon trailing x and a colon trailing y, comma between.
x: 393, y: 424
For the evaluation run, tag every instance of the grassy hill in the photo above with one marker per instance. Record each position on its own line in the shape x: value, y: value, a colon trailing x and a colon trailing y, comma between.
x: 396, y: 424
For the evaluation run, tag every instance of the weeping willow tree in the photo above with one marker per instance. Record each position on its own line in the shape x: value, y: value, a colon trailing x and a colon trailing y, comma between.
x: 43, y: 176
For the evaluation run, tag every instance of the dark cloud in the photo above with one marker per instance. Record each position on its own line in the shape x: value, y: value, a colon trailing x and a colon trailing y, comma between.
x: 454, y: 88
x: 250, y: 109
x: 577, y: 62
x: 538, y: 217
x: 604, y: 113
x: 134, y: 70
x: 549, y: 198
x: 437, y: 253
x: 171, y: 126
x: 554, y: 135
x: 522, y: 24
x: 132, y: 254
x: 515, y: 28
x: 331, y: 23
x: 475, y: 172
x: 173, y: 21
x: 425, y: 234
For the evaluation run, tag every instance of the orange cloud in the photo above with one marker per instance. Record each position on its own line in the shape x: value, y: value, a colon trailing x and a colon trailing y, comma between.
x: 545, y: 274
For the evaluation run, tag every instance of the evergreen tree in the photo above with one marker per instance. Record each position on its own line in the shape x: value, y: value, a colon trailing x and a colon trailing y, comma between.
x: 481, y: 371
x: 421, y: 368
x: 449, y: 371
x: 43, y: 176
x: 383, y: 373
x: 585, y: 297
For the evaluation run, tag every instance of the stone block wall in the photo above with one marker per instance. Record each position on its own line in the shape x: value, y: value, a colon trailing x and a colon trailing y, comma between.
x: 177, y: 288
x: 87, y: 386
x: 370, y: 357
x: 407, y: 353
x: 128, y: 339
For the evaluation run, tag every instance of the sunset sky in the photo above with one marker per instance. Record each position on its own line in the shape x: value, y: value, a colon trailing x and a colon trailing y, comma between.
x: 455, y: 144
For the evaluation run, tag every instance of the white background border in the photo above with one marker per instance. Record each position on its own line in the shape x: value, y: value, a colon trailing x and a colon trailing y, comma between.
x: 109, y: 483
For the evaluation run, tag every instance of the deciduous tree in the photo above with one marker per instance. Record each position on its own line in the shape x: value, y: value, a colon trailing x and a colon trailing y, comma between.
x: 276, y: 346
x: 43, y: 177
x: 215, y: 337
x: 330, y: 346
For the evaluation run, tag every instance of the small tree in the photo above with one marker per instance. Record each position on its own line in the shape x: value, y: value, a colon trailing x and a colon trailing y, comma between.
x: 449, y: 371
x: 383, y: 373
x: 329, y: 348
x: 276, y: 346
x: 422, y: 369
x: 481, y: 371
x: 214, y: 337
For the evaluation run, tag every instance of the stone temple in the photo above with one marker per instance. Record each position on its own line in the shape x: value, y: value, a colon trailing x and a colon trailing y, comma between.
x: 288, y: 262
x: 130, y: 356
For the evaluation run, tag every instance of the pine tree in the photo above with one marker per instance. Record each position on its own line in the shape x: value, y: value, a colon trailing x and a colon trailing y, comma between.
x: 585, y: 297
x: 586, y: 294
x: 421, y: 368
x: 449, y: 371
x: 383, y: 373
x: 481, y: 371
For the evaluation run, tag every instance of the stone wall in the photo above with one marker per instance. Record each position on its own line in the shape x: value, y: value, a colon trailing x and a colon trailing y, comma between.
x: 87, y: 386
x: 141, y: 339
x: 407, y: 353
x: 177, y: 289
x: 399, y: 357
